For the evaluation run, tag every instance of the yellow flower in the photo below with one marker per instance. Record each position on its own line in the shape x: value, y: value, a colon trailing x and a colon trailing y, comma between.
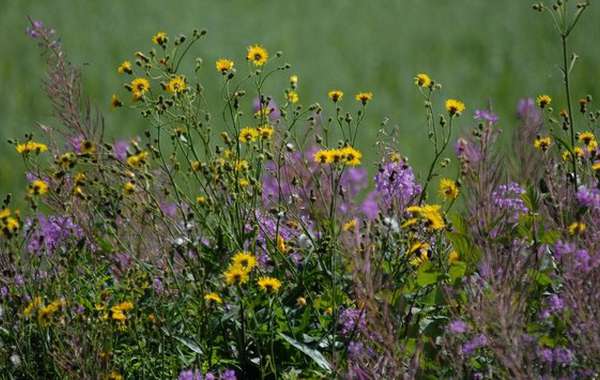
x: 542, y: 143
x: 293, y: 97
x: 455, y: 107
x: 592, y: 146
x: 160, y: 38
x: 294, y: 81
x: 236, y: 276
x: 176, y: 85
x: 128, y: 188
x: 38, y: 187
x: 269, y: 284
x: 453, y: 257
x: 265, y: 132
x: 596, y: 166
x: 224, y: 65
x: 421, y: 251
x: 244, y: 260
x: 201, y: 200
x: 243, y: 182
x: 566, y: 155
x: 349, y: 225
x: 124, y: 306
x: 351, y: 156
x: 114, y: 375
x: 213, y: 298
x: 364, y: 97
x: 323, y: 157
x: 335, y: 95
x: 118, y: 312
x: 31, y: 146
x: 115, y: 102
x: 125, y: 67
x: 241, y: 166
x: 139, y: 159
x: 281, y: 246
x: 422, y: 80
x: 87, y: 147
x: 257, y: 55
x: 301, y: 301
x: 448, y: 188
x: 586, y: 137
x: 34, y: 304
x: 139, y: 86
x: 248, y: 135
x: 577, y: 228
x: 430, y: 214
x: 543, y: 101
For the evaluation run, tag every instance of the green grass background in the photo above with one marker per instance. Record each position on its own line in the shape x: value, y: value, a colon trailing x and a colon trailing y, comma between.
x: 481, y: 50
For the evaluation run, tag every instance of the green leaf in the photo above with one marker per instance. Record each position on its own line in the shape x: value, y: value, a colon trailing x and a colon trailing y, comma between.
x: 457, y: 270
x: 189, y: 344
x: 310, y: 352
x: 426, y: 275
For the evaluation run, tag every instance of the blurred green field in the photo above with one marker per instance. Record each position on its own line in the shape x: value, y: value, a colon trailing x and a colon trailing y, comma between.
x: 480, y: 50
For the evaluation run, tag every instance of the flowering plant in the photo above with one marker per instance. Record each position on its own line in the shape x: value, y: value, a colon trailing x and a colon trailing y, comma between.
x: 244, y: 241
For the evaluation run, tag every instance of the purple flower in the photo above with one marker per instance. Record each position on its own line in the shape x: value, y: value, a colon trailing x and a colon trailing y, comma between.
x: 35, y: 30
x: 473, y: 344
x: 563, y: 355
x: 120, y: 149
x: 457, y: 327
x: 352, y: 320
x: 228, y: 375
x: 562, y: 249
x: 3, y: 292
x: 589, y: 197
x: 507, y: 199
x: 51, y: 233
x: 395, y: 184
x: 555, y: 305
x: 486, y: 115
x: 546, y: 355
x: 529, y: 112
x: 467, y: 151
x: 190, y: 375
x: 355, y: 350
x: 158, y: 286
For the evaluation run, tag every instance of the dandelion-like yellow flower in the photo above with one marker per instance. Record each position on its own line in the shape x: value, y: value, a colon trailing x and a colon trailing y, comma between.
x: 115, y: 102
x: 139, y: 86
x: 335, y: 95
x: 176, y: 85
x: 257, y: 54
x: 422, y: 80
x: 351, y: 156
x: 586, y: 137
x: 576, y: 228
x: 38, y: 187
x: 543, y: 101
x: 592, y: 147
x: 160, y: 38
x: 542, y: 143
x: 448, y: 189
x: 33, y: 305
x: 596, y: 166
x: 31, y: 146
x: 269, y: 284
x: 364, y: 97
x: 430, y: 214
x: 129, y: 188
x: 224, y: 65
x: 293, y: 97
x: 455, y: 107
x: 248, y: 135
x: 294, y: 81
x: 323, y: 157
x: 265, y: 132
x: 213, y: 298
x: 118, y: 312
x: 421, y: 251
x: 349, y: 225
x: 139, y: 159
x: 201, y: 200
x: 566, y: 155
x: 125, y: 67
x: 453, y: 257
x: 236, y: 276
x: 87, y: 147
x: 244, y: 260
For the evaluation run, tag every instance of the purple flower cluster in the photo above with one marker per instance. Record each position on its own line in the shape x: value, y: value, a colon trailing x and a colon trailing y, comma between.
x: 395, y: 184
x: 559, y: 355
x: 51, y: 232
x: 477, y: 342
x: 507, y: 199
x: 457, y: 327
x: 589, y: 197
x: 190, y: 374
x: 486, y: 116
x: 555, y: 305
x: 352, y: 320
x: 580, y: 258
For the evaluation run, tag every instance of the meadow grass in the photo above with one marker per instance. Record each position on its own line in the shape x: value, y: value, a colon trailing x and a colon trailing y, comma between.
x: 478, y: 49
